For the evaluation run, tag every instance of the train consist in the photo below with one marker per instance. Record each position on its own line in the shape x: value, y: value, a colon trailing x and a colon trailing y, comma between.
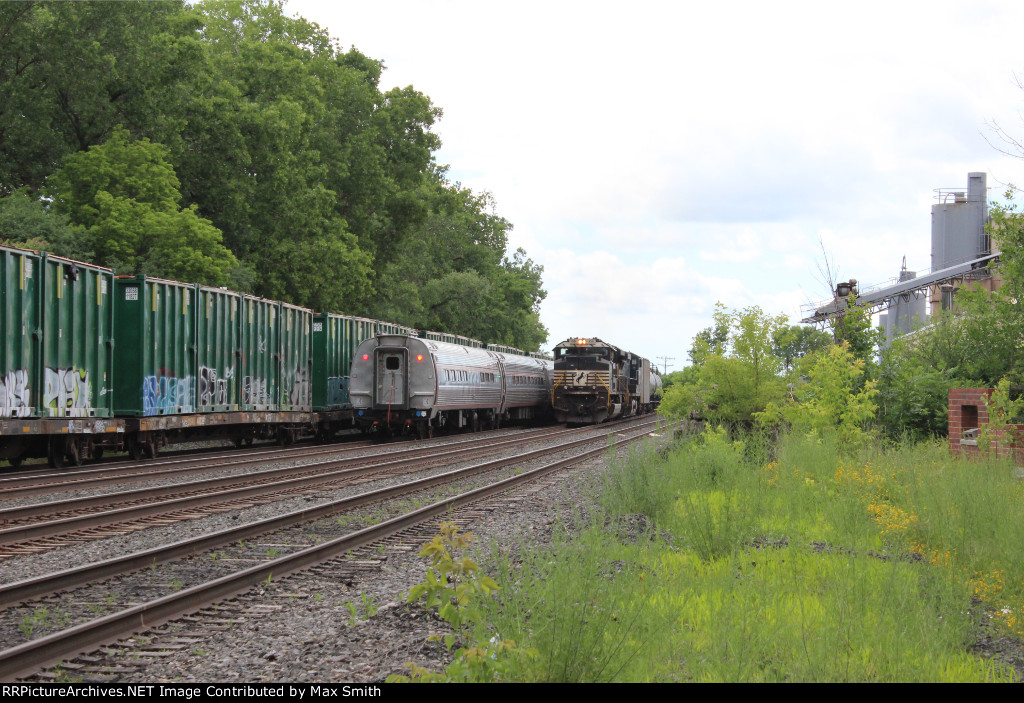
x: 595, y: 381
x: 93, y: 362
x: 401, y: 383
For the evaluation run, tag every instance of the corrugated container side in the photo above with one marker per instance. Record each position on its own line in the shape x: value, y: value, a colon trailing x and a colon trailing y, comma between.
x: 296, y: 357
x: 324, y: 357
x: 156, y: 371
x: 382, y: 327
x: 76, y: 353
x: 333, y: 345
x: 20, y: 276
x: 260, y: 343
x: 217, y: 333
x: 441, y: 337
x: 363, y: 329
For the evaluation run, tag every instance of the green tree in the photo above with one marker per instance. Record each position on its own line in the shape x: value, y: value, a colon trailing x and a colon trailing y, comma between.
x: 737, y: 375
x: 854, y: 327
x: 829, y: 397
x: 978, y: 346
x: 124, y: 196
x: 1006, y: 227
x: 287, y: 123
x: 259, y: 125
x: 453, y: 273
x: 793, y: 342
x: 686, y: 375
x: 72, y: 71
x: 710, y: 340
x: 26, y: 221
x: 913, y: 395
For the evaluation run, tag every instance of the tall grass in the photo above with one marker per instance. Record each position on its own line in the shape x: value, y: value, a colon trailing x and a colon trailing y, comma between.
x: 798, y: 563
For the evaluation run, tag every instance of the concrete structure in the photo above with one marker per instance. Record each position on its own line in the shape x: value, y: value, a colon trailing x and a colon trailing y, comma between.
x: 962, y: 255
x: 958, y: 237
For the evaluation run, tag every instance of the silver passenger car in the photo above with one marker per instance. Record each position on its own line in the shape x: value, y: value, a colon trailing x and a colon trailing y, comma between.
x: 403, y: 383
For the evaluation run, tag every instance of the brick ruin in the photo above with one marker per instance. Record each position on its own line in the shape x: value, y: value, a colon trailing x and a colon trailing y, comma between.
x: 968, y: 410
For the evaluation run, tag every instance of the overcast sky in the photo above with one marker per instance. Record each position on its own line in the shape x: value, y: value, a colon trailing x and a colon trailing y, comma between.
x: 657, y: 157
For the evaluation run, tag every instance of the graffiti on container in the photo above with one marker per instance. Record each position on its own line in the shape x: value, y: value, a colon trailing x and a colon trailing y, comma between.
x: 15, y: 394
x: 213, y: 390
x: 295, y: 390
x: 168, y: 394
x: 67, y: 392
x: 254, y: 391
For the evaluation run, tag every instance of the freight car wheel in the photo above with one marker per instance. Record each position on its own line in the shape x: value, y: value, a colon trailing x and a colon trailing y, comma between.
x: 75, y: 452
x: 97, y: 453
x: 59, y: 450
x: 134, y: 448
x: 15, y: 462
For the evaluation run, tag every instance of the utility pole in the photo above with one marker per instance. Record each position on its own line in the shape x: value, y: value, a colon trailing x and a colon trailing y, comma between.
x: 664, y: 363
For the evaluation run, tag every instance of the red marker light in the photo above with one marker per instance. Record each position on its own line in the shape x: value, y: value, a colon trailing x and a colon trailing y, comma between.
x: 419, y: 357
x: 366, y: 357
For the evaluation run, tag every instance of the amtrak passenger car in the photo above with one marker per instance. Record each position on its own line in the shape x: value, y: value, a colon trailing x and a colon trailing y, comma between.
x: 401, y: 383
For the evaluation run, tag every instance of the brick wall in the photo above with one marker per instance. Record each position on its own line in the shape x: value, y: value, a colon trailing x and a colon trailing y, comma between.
x: 968, y: 409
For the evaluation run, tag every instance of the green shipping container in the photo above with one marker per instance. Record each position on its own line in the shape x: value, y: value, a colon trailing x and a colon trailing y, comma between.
x: 156, y: 340
x: 76, y: 356
x: 20, y: 274
x: 296, y: 358
x: 335, y: 338
x: 381, y: 327
x: 219, y: 352
x: 259, y: 362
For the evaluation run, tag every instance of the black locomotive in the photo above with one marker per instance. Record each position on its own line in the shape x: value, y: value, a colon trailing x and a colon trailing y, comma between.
x: 595, y: 381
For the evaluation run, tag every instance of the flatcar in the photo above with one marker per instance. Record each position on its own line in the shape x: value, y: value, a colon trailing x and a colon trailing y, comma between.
x: 595, y: 381
x: 405, y: 384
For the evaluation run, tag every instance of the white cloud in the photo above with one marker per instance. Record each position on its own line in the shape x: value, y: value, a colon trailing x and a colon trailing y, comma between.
x: 660, y: 156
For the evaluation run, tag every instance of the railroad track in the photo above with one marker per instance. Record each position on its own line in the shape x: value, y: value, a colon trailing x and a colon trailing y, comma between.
x: 42, y: 527
x: 47, y: 482
x: 29, y: 657
x: 28, y: 471
x: 44, y: 482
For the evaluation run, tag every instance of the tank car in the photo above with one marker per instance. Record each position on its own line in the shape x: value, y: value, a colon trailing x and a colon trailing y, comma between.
x: 402, y: 383
x: 595, y: 381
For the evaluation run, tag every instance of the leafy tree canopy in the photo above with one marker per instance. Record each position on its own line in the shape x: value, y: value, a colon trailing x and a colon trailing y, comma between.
x: 828, y: 397
x: 25, y: 221
x: 124, y: 196
x: 793, y: 342
x: 736, y: 374
x: 230, y: 124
